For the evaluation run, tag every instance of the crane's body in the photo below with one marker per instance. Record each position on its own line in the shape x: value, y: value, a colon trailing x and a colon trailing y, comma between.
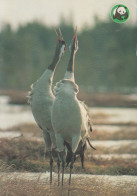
x: 41, y: 99
x: 69, y: 116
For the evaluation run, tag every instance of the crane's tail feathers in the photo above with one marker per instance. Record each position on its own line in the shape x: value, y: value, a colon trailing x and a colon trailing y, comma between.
x: 90, y: 144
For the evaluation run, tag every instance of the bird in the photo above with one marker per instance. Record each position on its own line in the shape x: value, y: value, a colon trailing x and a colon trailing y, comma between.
x: 41, y: 99
x: 69, y: 116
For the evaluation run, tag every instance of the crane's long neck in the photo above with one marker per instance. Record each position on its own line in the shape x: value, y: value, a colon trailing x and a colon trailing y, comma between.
x: 70, y: 68
x: 45, y: 81
x: 54, y: 63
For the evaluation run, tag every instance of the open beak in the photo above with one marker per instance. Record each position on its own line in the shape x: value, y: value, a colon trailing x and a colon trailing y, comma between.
x: 57, y: 35
x: 60, y: 36
x: 75, y: 34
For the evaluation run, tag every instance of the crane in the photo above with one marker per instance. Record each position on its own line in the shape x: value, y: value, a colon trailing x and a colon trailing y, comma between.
x: 41, y: 99
x: 69, y: 116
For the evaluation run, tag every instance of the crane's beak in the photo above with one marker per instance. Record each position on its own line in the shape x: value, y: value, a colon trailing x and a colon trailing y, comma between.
x: 75, y: 34
x: 60, y: 38
x: 57, y: 35
x: 60, y: 34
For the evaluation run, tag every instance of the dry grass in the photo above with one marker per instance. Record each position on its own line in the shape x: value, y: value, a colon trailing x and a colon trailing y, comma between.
x: 27, y: 129
x: 92, y: 99
x: 107, y: 100
x: 130, y: 149
x: 122, y: 134
x: 25, y: 155
x: 94, y: 186
x: 16, y: 96
x: 99, y: 118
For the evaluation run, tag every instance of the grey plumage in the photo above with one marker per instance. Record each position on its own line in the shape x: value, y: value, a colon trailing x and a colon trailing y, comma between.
x: 41, y: 98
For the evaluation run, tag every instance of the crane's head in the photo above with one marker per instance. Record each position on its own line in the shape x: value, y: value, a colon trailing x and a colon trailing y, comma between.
x: 61, y: 45
x: 73, y: 47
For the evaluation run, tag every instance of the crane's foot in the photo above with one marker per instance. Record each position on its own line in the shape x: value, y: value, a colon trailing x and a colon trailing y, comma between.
x: 71, y: 167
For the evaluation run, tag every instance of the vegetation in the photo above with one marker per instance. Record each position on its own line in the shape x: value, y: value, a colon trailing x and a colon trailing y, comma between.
x: 21, y: 154
x: 106, y: 59
x: 39, y: 186
x: 91, y: 99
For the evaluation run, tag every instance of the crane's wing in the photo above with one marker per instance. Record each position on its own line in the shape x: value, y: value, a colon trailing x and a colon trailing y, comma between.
x: 89, y: 123
x: 30, y: 93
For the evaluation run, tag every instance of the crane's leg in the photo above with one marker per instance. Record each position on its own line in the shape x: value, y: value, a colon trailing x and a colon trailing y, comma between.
x: 82, y: 159
x: 68, y: 158
x: 71, y: 167
x: 61, y: 152
x: 48, y: 149
x: 75, y: 143
x: 68, y: 153
x: 63, y: 167
x: 58, y: 164
x: 53, y: 139
x: 62, y: 159
x: 51, y: 165
x: 82, y: 155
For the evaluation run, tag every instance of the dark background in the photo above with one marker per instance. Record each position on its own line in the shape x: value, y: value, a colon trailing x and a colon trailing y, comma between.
x: 105, y: 62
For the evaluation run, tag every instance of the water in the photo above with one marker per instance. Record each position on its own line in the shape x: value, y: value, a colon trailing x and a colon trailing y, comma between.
x: 114, y: 128
x: 116, y: 115
x: 114, y: 156
x: 12, y: 115
x: 9, y: 134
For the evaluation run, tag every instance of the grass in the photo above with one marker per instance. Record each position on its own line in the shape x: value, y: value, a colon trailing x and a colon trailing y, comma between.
x: 117, y: 150
x: 92, y: 99
x: 122, y: 134
x: 24, y: 155
x: 16, y: 96
x: 25, y: 129
x: 94, y: 186
x: 107, y: 100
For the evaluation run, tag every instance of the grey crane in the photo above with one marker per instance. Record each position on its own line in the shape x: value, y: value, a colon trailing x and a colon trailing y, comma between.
x: 69, y: 116
x: 41, y: 98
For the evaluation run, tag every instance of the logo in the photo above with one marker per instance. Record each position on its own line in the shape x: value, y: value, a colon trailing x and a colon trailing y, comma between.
x: 119, y: 13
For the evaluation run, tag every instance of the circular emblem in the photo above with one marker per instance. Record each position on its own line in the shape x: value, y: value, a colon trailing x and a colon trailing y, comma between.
x: 119, y: 13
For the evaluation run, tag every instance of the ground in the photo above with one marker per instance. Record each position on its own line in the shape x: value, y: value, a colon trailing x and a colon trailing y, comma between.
x: 109, y: 171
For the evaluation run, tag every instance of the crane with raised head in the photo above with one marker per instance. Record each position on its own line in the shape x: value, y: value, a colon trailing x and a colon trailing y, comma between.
x: 69, y: 116
x: 41, y: 99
